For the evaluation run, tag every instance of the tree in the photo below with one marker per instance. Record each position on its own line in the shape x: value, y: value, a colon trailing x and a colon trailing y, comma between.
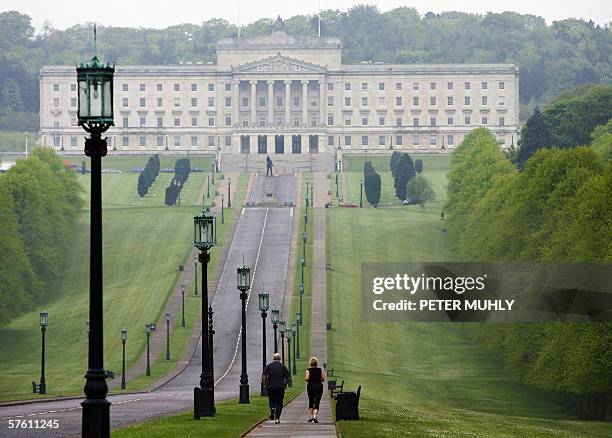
x: 420, y: 188
x: 372, y: 184
x: 405, y: 172
x: 418, y: 165
x: 602, y: 140
x: 535, y: 134
x: 395, y: 157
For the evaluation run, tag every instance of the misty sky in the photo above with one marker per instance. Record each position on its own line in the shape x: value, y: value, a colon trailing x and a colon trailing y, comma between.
x: 163, y: 13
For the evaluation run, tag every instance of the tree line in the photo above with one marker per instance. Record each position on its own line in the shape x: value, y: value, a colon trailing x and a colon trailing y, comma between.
x: 40, y: 199
x: 552, y: 57
x: 182, y: 169
x: 557, y: 208
x: 148, y: 175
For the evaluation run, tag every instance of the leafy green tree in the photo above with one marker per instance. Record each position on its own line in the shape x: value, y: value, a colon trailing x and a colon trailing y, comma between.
x: 420, y: 188
x: 418, y: 165
x: 404, y: 173
x: 602, y: 140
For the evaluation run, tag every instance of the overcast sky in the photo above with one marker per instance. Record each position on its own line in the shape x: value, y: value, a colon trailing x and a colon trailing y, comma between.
x: 163, y: 13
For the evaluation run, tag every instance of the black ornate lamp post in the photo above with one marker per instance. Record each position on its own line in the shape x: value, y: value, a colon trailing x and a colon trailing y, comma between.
x: 337, y: 195
x: 167, y: 336
x: 281, y: 329
x: 195, y: 270
x: 360, y: 193
x: 301, y: 298
x: 211, y: 335
x: 303, y: 262
x: 312, y: 195
x: 305, y: 219
x: 264, y: 301
x: 95, y: 115
x: 222, y: 202
x: 42, y: 386
x: 208, y: 186
x: 304, y: 246
x: 275, y: 318
x: 293, y: 334
x: 244, y: 284
x: 213, y: 166
x: 123, y: 341
x: 150, y: 328
x: 307, y: 182
x: 298, y: 323
x: 289, y: 354
x: 229, y: 195
x: 183, y: 307
x: 204, y: 240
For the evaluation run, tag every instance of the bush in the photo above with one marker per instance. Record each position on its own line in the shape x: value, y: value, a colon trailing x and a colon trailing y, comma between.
x: 148, y: 175
x: 372, y: 184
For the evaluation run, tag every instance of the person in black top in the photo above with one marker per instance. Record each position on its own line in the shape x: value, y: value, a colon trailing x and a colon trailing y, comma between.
x: 315, y: 379
x: 275, y: 376
x: 269, y: 166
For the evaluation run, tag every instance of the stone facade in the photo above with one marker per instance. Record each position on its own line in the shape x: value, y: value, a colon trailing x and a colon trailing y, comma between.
x: 281, y: 94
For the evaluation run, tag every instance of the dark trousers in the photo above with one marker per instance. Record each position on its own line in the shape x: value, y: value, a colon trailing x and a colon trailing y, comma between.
x: 269, y: 171
x: 275, y: 399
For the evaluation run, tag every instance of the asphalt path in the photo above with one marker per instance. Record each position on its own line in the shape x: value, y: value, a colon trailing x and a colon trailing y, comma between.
x: 262, y: 237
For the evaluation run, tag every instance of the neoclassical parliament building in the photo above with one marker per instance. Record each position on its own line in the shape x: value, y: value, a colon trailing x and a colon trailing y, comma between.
x: 285, y: 94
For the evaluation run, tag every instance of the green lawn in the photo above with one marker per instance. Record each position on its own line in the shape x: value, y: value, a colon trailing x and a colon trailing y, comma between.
x: 428, y: 379
x: 14, y: 141
x: 144, y: 242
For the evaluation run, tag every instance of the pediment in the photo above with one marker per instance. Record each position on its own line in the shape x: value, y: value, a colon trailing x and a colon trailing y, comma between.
x: 279, y: 64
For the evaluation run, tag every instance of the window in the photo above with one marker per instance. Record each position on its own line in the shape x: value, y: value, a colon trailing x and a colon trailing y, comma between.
x: 228, y: 140
x: 194, y: 102
x: 211, y: 101
x: 245, y: 123
x: 364, y: 140
x: 125, y: 141
x: 399, y: 140
x: 467, y: 120
x: 279, y: 120
x: 124, y: 87
x: 73, y: 87
x: 432, y: 140
x: 56, y: 102
x: 211, y: 87
x: 143, y: 121
x: 194, y: 122
x: 279, y: 101
x: 398, y: 122
x: 211, y: 140
x: 449, y: 100
x: 228, y: 87
x: 485, y: 120
x: 56, y: 87
x: 160, y: 141
x: 73, y: 121
x: 432, y: 101
x: 415, y: 122
x: 177, y: 122
x: 160, y: 102
x: 211, y: 121
x: 381, y: 101
x: 347, y: 121
x: 449, y: 86
x: 330, y: 87
x: 467, y: 100
x: 143, y: 141
x: 502, y: 100
x: 177, y: 87
x: 364, y: 86
x: 347, y: 86
x: 364, y: 101
x: 416, y: 140
x: 330, y: 119
x: 364, y: 121
x: 73, y: 141
x: 313, y: 103
x: 142, y: 102
x: 467, y: 85
x: 296, y: 122
x: 160, y: 122
x: 125, y: 123
x: 415, y: 100
x: 296, y: 101
x: 484, y: 100
x: 432, y: 121
x: 194, y: 141
x: 330, y: 101
x: 73, y: 102
x: 262, y: 101
x: 398, y: 86
x: 245, y: 102
x: 450, y: 140
x: 160, y: 87
x: 143, y: 87
x: 177, y: 140
x: 330, y: 140
x: 347, y: 140
x: 381, y: 86
x: 177, y: 102
x: 502, y: 85
x: 502, y: 121
x: 451, y: 121
x: 347, y: 101
x: 194, y: 87
x: 432, y: 86
x: 228, y: 120
x: 381, y: 120
x: 56, y: 124
x: 398, y: 101
x: 415, y: 86
x: 484, y: 85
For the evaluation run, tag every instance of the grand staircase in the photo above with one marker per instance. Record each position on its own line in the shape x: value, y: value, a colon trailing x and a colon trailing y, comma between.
x: 283, y: 164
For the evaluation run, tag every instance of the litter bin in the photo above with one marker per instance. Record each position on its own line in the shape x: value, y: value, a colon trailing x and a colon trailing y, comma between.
x: 347, y: 405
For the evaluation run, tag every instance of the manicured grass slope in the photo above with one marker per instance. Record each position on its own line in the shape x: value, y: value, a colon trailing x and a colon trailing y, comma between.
x: 144, y: 242
x: 429, y: 380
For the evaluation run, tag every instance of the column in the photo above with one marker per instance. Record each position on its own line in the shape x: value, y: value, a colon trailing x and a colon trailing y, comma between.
x: 288, y: 103
x: 270, y: 103
x: 305, y: 103
x: 236, y: 103
x: 253, y: 102
x: 322, y: 103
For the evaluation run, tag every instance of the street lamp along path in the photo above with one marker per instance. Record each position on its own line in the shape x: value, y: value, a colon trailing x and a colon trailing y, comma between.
x: 244, y: 284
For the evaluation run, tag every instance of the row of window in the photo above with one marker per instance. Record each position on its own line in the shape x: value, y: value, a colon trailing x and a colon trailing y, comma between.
x: 399, y: 140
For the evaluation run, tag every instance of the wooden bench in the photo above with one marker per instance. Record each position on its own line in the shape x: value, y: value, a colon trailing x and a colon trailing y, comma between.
x: 337, y: 388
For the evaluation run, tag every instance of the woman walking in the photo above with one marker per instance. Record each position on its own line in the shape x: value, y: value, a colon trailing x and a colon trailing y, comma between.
x: 315, y: 379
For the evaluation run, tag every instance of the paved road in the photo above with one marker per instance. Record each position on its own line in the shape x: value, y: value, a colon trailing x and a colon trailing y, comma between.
x: 283, y: 187
x: 262, y: 237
